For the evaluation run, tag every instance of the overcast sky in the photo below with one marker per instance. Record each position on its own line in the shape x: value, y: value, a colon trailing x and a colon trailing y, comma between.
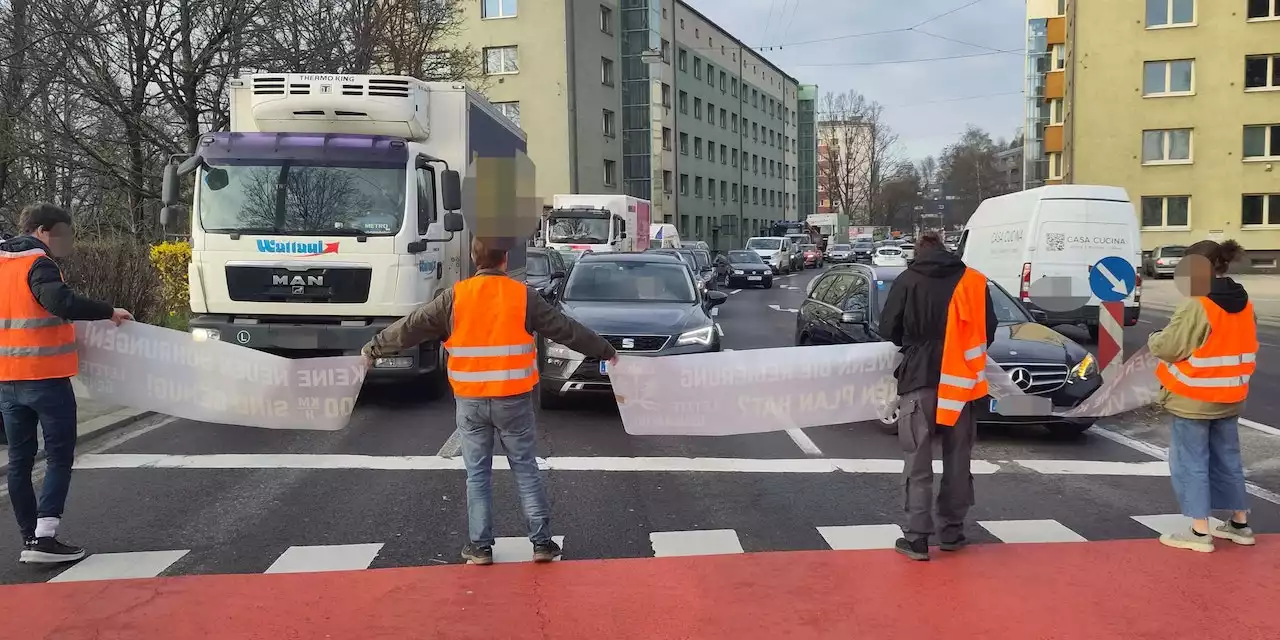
x: 901, y: 88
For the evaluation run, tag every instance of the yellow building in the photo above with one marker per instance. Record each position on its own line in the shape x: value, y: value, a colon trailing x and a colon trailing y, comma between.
x: 1177, y: 101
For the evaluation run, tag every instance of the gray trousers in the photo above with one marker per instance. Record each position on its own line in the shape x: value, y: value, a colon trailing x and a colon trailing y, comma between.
x: 917, y: 432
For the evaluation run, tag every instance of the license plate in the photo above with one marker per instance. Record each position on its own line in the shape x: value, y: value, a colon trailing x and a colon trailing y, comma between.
x: 993, y: 404
x: 604, y: 364
x: 753, y: 277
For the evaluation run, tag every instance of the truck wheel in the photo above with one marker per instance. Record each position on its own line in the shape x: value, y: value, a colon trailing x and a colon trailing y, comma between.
x: 437, y: 382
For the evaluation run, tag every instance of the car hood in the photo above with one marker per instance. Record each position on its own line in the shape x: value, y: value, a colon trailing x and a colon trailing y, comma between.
x: 765, y: 253
x: 1032, y: 342
x: 637, y: 318
x: 749, y: 266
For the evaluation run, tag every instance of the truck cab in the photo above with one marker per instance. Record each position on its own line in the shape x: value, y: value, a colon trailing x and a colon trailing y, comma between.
x: 583, y: 228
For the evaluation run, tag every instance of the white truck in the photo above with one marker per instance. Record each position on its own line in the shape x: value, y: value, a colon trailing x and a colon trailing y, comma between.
x: 597, y: 223
x: 334, y: 206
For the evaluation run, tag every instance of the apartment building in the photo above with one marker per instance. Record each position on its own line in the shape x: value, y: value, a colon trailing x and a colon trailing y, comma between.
x: 1177, y: 101
x: 649, y: 98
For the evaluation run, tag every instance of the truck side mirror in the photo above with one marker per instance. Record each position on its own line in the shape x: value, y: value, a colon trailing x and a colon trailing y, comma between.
x: 170, y: 215
x: 453, y: 221
x: 169, y: 185
x: 451, y: 194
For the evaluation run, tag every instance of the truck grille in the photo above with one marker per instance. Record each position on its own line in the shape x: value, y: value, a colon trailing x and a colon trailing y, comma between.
x: 1045, y: 377
x: 638, y: 343
x: 269, y: 284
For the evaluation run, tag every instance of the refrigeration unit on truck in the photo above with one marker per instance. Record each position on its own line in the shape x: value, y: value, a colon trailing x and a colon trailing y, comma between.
x: 334, y: 206
x: 597, y: 223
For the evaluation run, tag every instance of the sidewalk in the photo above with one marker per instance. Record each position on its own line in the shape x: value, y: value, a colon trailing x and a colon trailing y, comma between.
x: 1264, y: 291
x: 94, y: 417
x: 1133, y: 589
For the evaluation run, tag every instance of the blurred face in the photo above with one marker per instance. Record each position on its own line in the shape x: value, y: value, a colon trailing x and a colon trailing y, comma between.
x: 1193, y: 276
x: 60, y: 239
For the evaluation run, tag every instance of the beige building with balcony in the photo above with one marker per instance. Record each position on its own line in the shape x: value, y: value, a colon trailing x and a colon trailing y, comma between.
x: 1177, y: 101
x: 704, y: 127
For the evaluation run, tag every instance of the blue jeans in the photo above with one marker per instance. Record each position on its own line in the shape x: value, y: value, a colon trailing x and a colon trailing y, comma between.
x: 52, y: 405
x: 513, y: 420
x: 1205, y: 465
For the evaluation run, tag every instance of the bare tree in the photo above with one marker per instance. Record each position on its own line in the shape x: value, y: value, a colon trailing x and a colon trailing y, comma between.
x: 856, y: 151
x: 969, y: 173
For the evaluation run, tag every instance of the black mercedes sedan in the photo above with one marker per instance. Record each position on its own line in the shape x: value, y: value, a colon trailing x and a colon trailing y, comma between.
x: 748, y: 269
x: 843, y: 306
x: 643, y: 303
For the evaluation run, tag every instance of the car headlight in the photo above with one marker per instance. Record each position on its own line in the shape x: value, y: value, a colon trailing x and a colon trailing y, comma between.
x: 1087, y: 367
x: 697, y: 336
x: 206, y: 335
x: 557, y: 350
x: 738, y: 272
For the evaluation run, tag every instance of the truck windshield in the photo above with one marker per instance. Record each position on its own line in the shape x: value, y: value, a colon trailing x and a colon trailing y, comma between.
x: 296, y: 199
x: 581, y: 230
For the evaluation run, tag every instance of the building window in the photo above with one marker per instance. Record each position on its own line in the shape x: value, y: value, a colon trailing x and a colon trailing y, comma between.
x: 724, y: 120
x: 733, y: 156
x: 697, y: 108
x: 711, y: 113
x: 755, y: 195
x: 1262, y: 72
x: 666, y: 95
x: 606, y: 72
x: 1062, y: 7
x: 666, y: 138
x: 697, y: 187
x: 697, y: 67
x: 1166, y: 146
x: 1168, y: 78
x: 724, y: 82
x: 1262, y: 142
x: 1260, y: 209
x: 683, y: 57
x: 1055, y: 165
x: 724, y: 194
x: 711, y: 151
x: 755, y: 163
x: 1058, y: 55
x: 734, y: 191
x: 684, y: 183
x: 509, y: 109
x: 666, y: 182
x: 711, y: 78
x: 724, y: 154
x: 734, y: 120
x: 733, y: 87
x: 500, y: 60
x: 610, y: 127
x: 666, y: 51
x: 684, y: 143
x: 684, y: 102
x: 697, y: 147
x: 1055, y: 111
x: 744, y: 194
x: 498, y: 9
x: 1170, y: 13
x: 1264, y: 9
x: 606, y: 19
x: 610, y: 172
x: 711, y: 188
x: 1166, y: 212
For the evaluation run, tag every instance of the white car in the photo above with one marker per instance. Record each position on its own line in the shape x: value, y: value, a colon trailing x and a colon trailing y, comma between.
x: 908, y: 251
x: 888, y: 256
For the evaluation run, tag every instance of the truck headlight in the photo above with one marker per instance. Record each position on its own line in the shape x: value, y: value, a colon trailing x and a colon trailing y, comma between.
x: 206, y: 335
x: 738, y: 272
x: 697, y: 336
x: 1087, y: 367
x: 556, y: 350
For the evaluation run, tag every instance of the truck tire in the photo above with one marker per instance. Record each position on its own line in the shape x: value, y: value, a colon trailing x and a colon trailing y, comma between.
x: 437, y: 382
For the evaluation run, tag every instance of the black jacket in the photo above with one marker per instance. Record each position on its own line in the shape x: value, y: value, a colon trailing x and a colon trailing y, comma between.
x: 45, y: 280
x: 915, y: 317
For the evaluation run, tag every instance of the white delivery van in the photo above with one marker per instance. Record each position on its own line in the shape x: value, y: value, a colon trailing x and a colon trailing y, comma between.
x: 775, y: 251
x: 664, y: 236
x: 1055, y: 231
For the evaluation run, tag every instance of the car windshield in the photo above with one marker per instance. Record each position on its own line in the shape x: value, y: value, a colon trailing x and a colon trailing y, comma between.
x: 765, y: 243
x: 890, y: 251
x: 581, y: 230
x: 298, y: 199
x: 537, y: 264
x: 628, y: 281
x: 1173, y: 252
x: 1008, y: 311
x: 863, y: 246
x: 839, y: 247
x: 702, y: 258
x: 808, y: 247
x: 570, y: 256
x: 745, y: 257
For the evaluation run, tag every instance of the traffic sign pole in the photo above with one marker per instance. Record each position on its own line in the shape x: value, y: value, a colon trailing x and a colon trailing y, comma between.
x: 1110, y: 338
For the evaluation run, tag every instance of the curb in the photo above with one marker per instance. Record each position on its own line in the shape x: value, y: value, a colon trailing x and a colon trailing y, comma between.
x: 109, y: 422
x: 1266, y: 322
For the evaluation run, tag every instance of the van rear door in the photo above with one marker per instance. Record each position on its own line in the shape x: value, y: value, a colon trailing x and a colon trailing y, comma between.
x: 1073, y: 235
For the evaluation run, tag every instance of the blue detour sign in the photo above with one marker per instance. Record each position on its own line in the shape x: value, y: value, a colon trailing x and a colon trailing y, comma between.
x: 1113, y: 279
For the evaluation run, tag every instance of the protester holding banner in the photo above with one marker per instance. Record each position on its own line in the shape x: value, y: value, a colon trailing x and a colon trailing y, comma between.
x: 1207, y: 352
x: 37, y: 361
x: 941, y: 315
x: 490, y: 321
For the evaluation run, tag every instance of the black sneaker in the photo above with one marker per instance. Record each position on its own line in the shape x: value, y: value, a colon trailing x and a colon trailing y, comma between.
x: 476, y: 554
x: 954, y: 544
x: 546, y: 551
x: 49, y: 551
x: 917, y: 550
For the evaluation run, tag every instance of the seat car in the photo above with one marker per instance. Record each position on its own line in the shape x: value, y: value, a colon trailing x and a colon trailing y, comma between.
x: 838, y: 253
x: 888, y: 255
x: 811, y: 255
x: 746, y: 269
x: 775, y: 251
x: 844, y: 305
x: 1161, y: 262
x: 642, y: 303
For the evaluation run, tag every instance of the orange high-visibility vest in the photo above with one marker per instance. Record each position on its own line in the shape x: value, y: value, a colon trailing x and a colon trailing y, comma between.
x: 964, y: 351
x: 34, y: 344
x: 1219, y: 370
x: 491, y: 354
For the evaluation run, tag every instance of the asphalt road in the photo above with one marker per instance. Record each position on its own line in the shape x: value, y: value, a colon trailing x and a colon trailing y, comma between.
x: 173, y: 497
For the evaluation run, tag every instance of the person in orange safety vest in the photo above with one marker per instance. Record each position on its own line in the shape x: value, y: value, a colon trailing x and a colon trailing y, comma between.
x: 1207, y: 354
x: 37, y: 361
x: 940, y: 313
x: 490, y: 322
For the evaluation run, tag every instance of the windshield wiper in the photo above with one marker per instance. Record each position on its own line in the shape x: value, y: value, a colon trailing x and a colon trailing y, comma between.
x: 240, y: 230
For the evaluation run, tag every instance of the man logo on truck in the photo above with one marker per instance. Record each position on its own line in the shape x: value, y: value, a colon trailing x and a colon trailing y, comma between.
x: 300, y: 249
x: 298, y: 281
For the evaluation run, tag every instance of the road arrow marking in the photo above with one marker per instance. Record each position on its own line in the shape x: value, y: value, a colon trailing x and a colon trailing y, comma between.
x: 777, y: 308
x: 1116, y: 284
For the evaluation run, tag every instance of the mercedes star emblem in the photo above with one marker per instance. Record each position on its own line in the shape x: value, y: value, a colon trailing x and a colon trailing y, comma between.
x: 1021, y: 377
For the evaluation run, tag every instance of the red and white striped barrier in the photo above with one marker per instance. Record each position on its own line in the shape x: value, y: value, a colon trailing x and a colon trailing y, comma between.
x: 1110, y: 338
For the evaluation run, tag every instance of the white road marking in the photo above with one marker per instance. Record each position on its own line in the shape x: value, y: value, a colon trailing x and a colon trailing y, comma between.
x: 719, y: 330
x: 517, y: 549
x: 1163, y: 454
x: 735, y: 291
x: 806, y: 445
x: 1145, y: 321
x: 325, y: 557
x: 1096, y: 467
x: 777, y: 308
x: 861, y: 536
x: 1031, y: 531
x: 1258, y: 426
x: 726, y: 349
x: 1170, y: 522
x: 120, y: 566
x: 452, y: 446
x: 694, y: 543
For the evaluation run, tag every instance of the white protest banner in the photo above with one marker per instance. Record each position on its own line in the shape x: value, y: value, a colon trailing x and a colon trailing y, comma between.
x: 156, y: 369
x: 1136, y: 386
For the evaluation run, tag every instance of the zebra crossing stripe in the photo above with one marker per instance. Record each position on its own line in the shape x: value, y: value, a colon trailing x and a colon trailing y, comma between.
x: 121, y: 566
x: 517, y: 549
x: 325, y: 557
x: 861, y: 536
x: 1170, y: 522
x: 709, y: 542
x: 1031, y: 531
